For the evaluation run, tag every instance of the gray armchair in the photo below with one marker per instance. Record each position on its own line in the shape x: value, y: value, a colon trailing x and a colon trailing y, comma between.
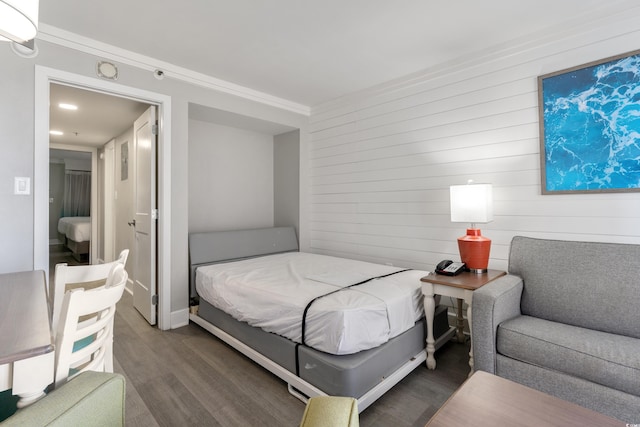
x: 565, y: 321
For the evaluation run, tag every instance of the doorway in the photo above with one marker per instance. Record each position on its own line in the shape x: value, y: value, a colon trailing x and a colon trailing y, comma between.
x: 70, y: 202
x: 45, y: 77
x: 89, y: 124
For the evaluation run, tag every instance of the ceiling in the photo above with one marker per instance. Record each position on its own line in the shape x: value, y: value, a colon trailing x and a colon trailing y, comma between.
x: 305, y: 51
x: 98, y: 119
x: 101, y: 117
x: 311, y: 51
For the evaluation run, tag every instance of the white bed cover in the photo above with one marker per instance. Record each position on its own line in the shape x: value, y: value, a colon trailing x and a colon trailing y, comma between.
x: 77, y: 228
x: 271, y: 293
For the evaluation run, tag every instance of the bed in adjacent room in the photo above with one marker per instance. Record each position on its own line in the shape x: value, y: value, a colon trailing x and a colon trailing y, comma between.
x: 77, y: 234
x: 325, y: 325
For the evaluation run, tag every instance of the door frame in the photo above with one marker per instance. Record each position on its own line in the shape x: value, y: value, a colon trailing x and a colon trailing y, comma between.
x: 108, y: 202
x: 44, y: 76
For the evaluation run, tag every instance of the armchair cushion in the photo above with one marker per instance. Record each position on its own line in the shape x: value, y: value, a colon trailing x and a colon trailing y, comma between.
x: 600, y: 357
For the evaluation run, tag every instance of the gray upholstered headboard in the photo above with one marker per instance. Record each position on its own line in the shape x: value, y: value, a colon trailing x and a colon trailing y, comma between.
x: 223, y: 246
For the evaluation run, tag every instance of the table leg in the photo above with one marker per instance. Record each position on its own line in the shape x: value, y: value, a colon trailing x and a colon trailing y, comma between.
x: 460, y: 322
x: 470, y: 335
x: 31, y: 377
x: 5, y: 376
x: 429, y: 313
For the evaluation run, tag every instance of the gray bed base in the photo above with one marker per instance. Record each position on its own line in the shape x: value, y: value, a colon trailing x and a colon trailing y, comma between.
x: 366, y: 375
x: 79, y: 250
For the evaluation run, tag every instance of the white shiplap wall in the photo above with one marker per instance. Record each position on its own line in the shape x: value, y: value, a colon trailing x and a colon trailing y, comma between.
x: 381, y: 162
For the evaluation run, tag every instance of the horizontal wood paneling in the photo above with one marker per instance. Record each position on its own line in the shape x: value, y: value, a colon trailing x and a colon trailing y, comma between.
x: 380, y: 163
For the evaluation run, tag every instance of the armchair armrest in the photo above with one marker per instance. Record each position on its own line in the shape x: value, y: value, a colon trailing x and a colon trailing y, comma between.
x: 493, y: 303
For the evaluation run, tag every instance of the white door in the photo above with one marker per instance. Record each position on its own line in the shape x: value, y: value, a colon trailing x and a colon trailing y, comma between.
x: 145, y: 215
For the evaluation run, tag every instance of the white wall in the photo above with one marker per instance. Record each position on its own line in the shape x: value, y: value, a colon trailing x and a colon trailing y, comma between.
x: 230, y: 178
x: 381, y: 162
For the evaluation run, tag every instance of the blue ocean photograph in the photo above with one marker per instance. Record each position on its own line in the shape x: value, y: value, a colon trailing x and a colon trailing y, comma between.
x: 591, y: 127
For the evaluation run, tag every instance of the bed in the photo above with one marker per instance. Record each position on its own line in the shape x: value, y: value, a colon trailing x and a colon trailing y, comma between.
x: 77, y: 234
x: 244, y: 289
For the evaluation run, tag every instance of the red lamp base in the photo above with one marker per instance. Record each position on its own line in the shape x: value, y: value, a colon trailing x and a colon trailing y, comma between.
x: 474, y: 250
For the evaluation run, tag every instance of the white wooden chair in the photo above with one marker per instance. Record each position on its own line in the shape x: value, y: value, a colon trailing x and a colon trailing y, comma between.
x: 78, y: 276
x: 88, y: 315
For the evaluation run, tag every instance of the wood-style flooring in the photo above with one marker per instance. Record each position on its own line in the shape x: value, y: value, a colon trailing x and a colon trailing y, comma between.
x: 186, y: 376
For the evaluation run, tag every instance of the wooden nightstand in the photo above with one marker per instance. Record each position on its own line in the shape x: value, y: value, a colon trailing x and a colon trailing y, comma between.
x: 460, y: 287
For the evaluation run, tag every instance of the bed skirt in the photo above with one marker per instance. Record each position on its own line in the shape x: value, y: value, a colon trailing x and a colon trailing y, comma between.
x: 339, y: 375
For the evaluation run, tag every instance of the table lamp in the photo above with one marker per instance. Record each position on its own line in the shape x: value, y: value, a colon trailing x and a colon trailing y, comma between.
x: 473, y: 203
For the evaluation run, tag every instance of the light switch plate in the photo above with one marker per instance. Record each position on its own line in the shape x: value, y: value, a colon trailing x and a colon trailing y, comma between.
x: 22, y: 185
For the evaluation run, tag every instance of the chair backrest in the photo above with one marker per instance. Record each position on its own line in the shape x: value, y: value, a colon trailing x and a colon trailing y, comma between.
x: 87, y: 315
x: 593, y: 285
x: 78, y: 276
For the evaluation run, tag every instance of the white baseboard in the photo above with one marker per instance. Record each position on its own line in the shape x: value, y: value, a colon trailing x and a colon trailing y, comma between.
x: 179, y: 318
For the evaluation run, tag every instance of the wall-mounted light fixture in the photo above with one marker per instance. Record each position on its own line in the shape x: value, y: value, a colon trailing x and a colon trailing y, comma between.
x: 19, y: 20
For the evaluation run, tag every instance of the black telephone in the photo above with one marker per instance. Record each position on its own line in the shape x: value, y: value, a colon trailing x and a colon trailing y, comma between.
x: 450, y: 268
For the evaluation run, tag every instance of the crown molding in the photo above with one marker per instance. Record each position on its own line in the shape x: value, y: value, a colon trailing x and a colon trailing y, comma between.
x: 89, y: 46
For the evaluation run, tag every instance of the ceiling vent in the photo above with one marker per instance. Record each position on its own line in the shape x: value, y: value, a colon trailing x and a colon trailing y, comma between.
x: 107, y: 70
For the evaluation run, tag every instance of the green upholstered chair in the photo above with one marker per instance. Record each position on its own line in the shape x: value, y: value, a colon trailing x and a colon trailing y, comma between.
x: 90, y: 399
x: 331, y: 411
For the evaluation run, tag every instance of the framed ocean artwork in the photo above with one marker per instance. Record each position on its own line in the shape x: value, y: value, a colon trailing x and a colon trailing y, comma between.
x: 590, y: 127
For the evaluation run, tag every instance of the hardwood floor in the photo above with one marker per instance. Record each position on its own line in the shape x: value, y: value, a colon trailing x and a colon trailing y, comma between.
x: 187, y: 376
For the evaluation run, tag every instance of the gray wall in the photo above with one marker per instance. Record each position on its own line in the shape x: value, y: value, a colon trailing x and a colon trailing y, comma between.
x: 230, y: 178
x: 17, y: 86
x: 242, y: 178
x: 286, y: 179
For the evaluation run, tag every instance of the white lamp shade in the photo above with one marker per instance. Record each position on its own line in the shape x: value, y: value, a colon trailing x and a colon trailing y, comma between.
x: 18, y: 20
x: 471, y: 203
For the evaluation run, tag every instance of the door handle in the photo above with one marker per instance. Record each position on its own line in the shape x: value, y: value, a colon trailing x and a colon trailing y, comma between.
x: 132, y: 223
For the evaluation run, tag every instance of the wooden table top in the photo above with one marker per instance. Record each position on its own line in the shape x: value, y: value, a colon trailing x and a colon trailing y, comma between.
x: 489, y: 400
x: 464, y: 280
x: 25, y: 327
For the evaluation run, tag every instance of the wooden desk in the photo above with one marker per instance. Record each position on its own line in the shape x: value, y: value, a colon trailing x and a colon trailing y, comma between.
x: 26, y: 342
x: 488, y: 400
x: 460, y: 287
